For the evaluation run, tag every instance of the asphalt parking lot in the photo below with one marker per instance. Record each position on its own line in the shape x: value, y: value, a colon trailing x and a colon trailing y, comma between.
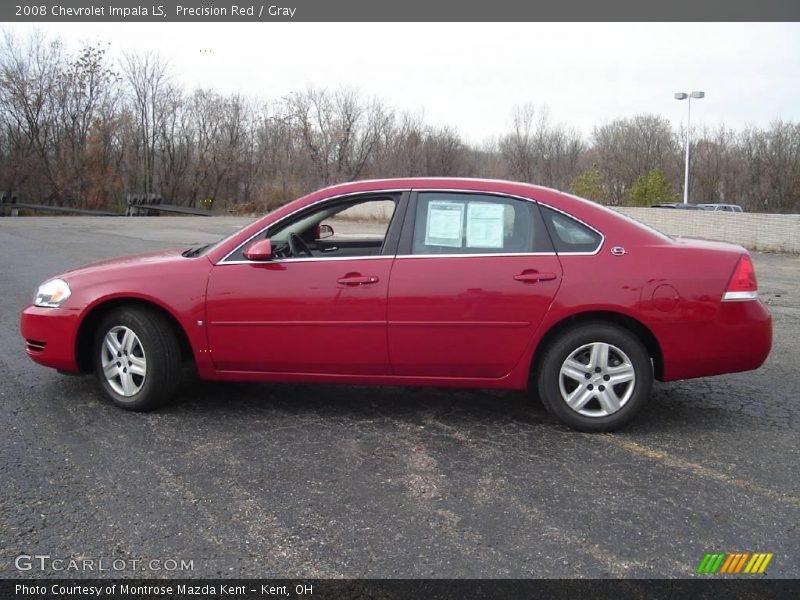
x: 252, y: 480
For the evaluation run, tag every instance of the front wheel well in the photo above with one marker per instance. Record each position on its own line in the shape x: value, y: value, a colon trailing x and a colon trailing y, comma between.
x: 88, y: 328
x: 637, y: 328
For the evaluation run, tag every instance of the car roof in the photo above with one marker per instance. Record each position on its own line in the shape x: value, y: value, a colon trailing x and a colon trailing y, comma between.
x: 545, y: 195
x: 460, y: 183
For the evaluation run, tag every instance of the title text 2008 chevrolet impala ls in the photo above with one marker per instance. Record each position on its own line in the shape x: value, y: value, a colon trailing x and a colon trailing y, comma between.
x: 441, y: 282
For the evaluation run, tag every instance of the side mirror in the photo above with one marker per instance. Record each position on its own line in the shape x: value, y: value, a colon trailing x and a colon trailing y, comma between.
x: 324, y: 232
x: 259, y: 250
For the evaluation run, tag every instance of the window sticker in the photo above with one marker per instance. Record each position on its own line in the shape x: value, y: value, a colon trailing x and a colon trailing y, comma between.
x: 445, y: 222
x: 485, y: 225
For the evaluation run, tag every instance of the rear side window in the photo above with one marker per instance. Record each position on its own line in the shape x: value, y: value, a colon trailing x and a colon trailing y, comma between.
x: 461, y: 223
x: 569, y: 235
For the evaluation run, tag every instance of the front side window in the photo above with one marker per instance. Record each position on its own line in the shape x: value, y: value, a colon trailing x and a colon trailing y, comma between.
x: 461, y: 223
x: 337, y: 229
x: 365, y: 220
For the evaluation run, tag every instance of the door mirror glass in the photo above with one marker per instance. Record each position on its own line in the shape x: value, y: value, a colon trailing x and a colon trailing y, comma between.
x: 324, y: 231
x: 259, y: 250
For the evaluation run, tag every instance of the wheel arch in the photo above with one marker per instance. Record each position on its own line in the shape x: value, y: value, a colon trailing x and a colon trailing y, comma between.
x: 91, y: 320
x: 634, y: 326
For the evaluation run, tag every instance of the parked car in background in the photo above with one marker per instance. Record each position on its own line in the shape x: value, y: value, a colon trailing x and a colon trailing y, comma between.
x: 678, y: 205
x: 461, y: 283
x: 721, y: 207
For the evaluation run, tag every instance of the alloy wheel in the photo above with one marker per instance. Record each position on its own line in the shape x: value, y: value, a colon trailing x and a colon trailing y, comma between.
x: 123, y: 360
x: 597, y: 379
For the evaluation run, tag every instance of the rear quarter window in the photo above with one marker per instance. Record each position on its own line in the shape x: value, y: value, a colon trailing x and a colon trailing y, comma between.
x: 570, y: 235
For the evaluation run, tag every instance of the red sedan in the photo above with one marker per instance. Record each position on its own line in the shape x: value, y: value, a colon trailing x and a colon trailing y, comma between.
x: 436, y: 282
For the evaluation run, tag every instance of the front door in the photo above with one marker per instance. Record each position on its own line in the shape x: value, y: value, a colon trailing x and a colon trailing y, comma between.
x: 317, y: 307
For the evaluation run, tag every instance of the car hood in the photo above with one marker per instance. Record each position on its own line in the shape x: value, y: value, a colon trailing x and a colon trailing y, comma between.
x: 146, y: 260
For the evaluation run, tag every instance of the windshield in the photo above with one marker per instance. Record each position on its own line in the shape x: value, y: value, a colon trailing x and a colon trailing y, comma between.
x: 204, y: 249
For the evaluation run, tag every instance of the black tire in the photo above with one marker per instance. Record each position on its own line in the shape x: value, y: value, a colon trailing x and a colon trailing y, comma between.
x: 156, y: 342
x: 556, y: 353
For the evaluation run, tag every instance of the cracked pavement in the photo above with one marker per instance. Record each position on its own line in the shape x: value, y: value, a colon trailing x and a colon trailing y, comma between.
x: 265, y: 480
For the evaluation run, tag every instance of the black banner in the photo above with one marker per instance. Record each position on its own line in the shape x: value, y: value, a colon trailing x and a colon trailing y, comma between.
x: 408, y: 10
x: 399, y: 589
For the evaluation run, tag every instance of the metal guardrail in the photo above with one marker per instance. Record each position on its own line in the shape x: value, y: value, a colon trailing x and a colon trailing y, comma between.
x: 143, y: 205
x: 10, y: 204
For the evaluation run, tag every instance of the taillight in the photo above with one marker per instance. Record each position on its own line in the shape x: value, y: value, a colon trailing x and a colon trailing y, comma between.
x: 743, y: 284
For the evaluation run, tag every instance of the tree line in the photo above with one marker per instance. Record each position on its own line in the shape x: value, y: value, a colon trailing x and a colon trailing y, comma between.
x: 79, y: 130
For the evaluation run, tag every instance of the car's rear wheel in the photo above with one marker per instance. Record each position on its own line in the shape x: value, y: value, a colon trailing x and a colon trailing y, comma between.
x: 137, y: 358
x: 595, y: 377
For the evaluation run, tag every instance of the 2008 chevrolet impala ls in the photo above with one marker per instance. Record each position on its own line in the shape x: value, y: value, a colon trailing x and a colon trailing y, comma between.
x: 436, y: 282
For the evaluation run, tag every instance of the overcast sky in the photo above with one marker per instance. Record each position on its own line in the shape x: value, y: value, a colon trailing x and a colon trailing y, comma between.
x: 471, y: 75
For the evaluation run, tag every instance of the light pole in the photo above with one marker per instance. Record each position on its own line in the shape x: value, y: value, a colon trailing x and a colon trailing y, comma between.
x: 685, y: 96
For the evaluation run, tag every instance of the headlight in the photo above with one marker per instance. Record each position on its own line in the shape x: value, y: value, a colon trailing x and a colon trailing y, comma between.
x: 52, y: 294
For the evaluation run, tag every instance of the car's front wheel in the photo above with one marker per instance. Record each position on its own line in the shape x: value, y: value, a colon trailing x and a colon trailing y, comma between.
x: 595, y: 377
x: 137, y: 358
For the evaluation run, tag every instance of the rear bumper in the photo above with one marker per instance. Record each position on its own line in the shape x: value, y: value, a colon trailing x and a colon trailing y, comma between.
x: 739, y: 339
x: 49, y: 336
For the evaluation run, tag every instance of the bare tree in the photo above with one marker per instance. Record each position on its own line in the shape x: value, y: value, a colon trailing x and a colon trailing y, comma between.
x: 772, y: 162
x: 520, y: 148
x: 539, y: 151
x: 29, y: 74
x: 339, y: 131
x: 401, y: 154
x: 713, y: 166
x: 176, y: 145
x: 445, y: 153
x: 279, y: 153
x: 629, y: 148
x: 84, y: 95
x: 148, y: 80
x: 561, y: 150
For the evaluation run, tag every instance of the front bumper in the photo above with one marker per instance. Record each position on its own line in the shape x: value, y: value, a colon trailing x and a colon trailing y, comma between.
x: 49, y: 335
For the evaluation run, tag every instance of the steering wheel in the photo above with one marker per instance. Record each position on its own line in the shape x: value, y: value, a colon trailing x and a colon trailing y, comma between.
x: 298, y: 246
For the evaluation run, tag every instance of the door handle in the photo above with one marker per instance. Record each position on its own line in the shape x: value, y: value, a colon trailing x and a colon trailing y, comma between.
x: 533, y: 276
x: 353, y: 279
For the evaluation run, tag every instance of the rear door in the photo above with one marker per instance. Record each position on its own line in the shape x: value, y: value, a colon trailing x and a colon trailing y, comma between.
x: 474, y: 276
